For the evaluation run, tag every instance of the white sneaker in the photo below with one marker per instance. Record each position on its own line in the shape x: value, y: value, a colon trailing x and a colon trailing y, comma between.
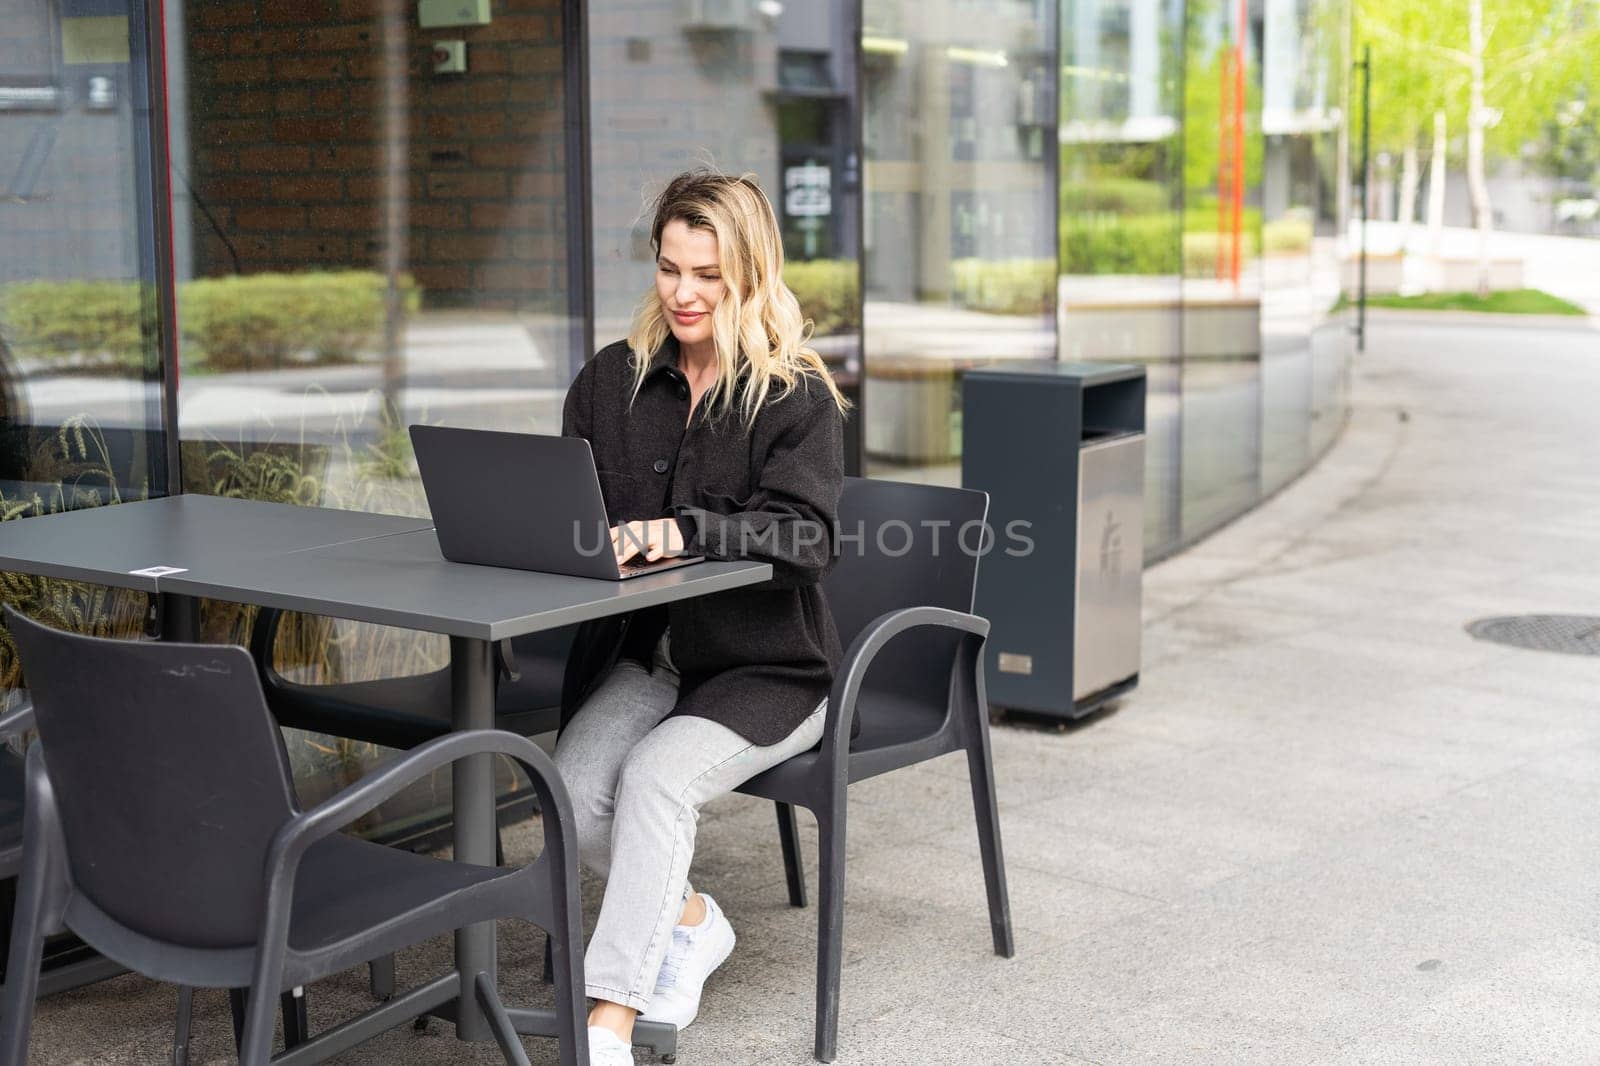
x: 607, y: 1048
x: 696, y: 951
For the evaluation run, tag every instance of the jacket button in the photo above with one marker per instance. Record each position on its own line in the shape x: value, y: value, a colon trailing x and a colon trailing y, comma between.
x: 659, y: 466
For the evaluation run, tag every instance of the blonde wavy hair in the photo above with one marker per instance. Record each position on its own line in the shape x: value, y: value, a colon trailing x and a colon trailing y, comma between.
x: 757, y: 327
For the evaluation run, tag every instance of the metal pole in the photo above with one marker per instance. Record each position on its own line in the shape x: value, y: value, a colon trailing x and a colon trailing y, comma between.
x: 1366, y: 180
x: 472, y: 787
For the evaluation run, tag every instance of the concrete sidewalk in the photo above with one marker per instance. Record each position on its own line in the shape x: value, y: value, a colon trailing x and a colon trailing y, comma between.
x: 1329, y: 827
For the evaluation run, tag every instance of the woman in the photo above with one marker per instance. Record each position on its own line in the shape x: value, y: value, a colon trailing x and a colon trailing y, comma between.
x: 716, y: 432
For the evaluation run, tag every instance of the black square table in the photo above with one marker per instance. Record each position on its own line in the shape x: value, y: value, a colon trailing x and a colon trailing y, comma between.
x: 369, y: 568
x: 128, y: 545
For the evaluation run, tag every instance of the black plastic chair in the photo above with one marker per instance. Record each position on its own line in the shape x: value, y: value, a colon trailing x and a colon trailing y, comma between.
x: 165, y: 834
x: 913, y: 674
x: 81, y: 966
x: 70, y: 974
x: 403, y: 712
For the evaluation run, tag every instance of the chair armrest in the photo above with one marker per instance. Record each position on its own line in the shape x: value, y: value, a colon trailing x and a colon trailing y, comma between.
x: 297, y: 835
x: 366, y: 795
x: 865, y: 648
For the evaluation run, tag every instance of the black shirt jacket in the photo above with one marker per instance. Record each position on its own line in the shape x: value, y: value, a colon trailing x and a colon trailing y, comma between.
x: 757, y: 659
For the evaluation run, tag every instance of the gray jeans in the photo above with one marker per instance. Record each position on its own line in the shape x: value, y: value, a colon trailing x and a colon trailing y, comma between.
x: 637, y: 781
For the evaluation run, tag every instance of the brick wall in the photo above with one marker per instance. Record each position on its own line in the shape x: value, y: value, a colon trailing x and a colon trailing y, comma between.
x: 286, y: 151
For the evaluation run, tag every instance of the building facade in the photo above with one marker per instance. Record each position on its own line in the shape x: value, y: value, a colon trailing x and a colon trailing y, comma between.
x: 243, y: 243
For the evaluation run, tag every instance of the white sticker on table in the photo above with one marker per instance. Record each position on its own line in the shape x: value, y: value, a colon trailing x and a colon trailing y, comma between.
x: 159, y: 571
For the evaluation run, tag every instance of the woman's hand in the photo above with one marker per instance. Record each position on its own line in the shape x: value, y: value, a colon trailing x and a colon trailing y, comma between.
x: 658, y: 538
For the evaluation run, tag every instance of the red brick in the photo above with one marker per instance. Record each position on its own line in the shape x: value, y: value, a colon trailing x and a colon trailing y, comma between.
x: 350, y: 10
x: 341, y: 38
x: 264, y: 43
x: 367, y: 186
x: 547, y: 92
x: 276, y: 217
x: 233, y: 71
x: 486, y: 59
x: 292, y: 100
x: 297, y: 12
x: 535, y: 183
x: 304, y: 130
x: 329, y: 98
x: 482, y: 90
x: 478, y: 185
x: 216, y: 14
x: 277, y: 158
x: 515, y: 28
x: 322, y: 249
x: 234, y: 131
x: 536, y: 122
x: 533, y: 59
x: 513, y: 154
x: 467, y: 247
x: 252, y: 101
x: 208, y: 45
x: 302, y: 188
x: 524, y: 276
x: 540, y: 246
x: 464, y: 124
x: 365, y: 65
x: 432, y: 276
x: 357, y: 217
x: 233, y: 187
x: 436, y: 216
x: 349, y: 156
x: 362, y: 126
x: 516, y: 215
x: 308, y: 68
x: 445, y: 92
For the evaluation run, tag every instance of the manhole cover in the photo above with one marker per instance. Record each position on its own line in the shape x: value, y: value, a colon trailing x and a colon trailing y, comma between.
x: 1571, y: 634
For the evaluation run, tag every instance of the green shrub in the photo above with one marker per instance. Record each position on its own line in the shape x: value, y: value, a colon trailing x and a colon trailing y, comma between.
x: 1122, y: 196
x: 1292, y: 234
x: 829, y: 292
x: 256, y: 321
x: 1111, y: 244
x: 95, y: 322
x: 1005, y: 286
x: 260, y: 321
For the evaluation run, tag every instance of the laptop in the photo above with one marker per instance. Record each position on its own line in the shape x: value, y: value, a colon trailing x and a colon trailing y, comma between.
x: 523, y: 501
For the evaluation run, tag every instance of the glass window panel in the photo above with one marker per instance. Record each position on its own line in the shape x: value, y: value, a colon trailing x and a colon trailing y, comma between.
x: 767, y: 89
x: 80, y: 370
x: 1223, y: 154
x: 1120, y: 222
x: 363, y: 241
x: 960, y: 260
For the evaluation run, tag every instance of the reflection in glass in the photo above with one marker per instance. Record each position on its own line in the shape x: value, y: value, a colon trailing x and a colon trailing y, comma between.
x: 960, y: 260
x: 762, y: 89
x: 1120, y: 229
x: 363, y: 241
x: 1302, y: 72
x: 1221, y: 262
x: 80, y: 370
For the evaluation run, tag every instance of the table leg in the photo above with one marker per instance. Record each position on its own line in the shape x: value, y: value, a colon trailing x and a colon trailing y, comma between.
x: 472, y: 782
x: 179, y: 617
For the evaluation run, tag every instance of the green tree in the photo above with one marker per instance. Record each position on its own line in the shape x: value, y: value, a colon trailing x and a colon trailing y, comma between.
x: 1502, y: 68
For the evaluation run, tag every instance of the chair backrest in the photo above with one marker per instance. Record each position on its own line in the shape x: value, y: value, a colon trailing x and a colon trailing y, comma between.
x: 170, y: 776
x: 905, y: 545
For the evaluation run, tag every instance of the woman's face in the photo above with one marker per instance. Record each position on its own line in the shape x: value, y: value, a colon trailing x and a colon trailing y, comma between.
x: 688, y: 281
